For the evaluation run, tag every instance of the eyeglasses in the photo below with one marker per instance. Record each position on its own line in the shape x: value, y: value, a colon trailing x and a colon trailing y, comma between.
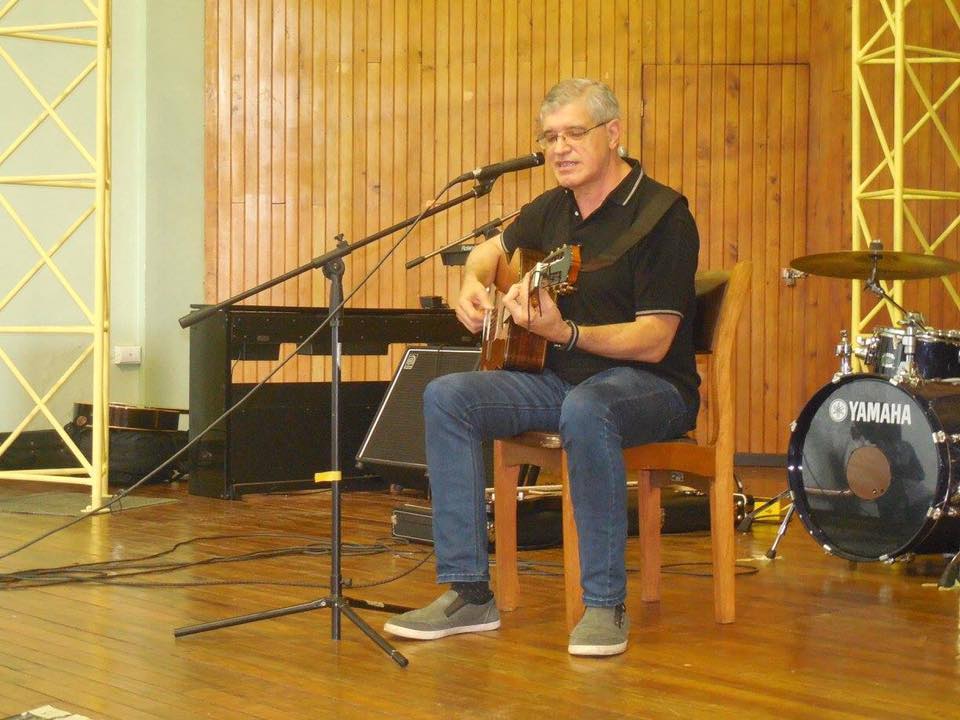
x: 571, y: 136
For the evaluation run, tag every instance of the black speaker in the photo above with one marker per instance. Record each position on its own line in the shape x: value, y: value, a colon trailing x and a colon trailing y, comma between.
x: 395, y: 438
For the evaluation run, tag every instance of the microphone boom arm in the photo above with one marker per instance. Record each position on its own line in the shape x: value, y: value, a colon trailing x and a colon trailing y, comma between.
x: 488, y: 230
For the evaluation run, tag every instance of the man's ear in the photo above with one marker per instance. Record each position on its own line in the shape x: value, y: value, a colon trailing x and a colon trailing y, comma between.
x: 613, y: 133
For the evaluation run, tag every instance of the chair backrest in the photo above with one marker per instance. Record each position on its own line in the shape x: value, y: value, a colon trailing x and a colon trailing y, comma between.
x: 721, y: 296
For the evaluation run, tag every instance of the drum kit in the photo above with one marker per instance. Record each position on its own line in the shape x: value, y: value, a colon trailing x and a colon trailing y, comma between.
x: 874, y: 457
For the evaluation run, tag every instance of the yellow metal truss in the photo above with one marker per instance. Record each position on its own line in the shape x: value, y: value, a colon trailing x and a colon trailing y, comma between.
x: 94, y: 33
x: 902, y: 59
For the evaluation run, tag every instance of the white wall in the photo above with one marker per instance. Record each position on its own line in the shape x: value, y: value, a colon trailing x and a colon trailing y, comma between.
x: 157, y: 204
x: 173, y: 240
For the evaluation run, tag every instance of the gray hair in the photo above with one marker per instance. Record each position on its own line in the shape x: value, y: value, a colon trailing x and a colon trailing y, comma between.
x: 601, y: 102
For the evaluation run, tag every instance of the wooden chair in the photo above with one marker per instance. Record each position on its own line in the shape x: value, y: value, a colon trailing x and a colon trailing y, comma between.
x: 708, y: 457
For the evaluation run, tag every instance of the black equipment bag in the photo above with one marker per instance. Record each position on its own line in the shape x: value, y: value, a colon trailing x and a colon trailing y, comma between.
x: 134, y: 453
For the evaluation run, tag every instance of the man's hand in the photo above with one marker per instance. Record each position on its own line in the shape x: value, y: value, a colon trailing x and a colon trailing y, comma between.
x: 544, y: 320
x: 472, y: 303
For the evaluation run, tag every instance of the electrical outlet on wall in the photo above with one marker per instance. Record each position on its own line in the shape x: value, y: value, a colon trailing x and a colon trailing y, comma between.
x: 126, y: 355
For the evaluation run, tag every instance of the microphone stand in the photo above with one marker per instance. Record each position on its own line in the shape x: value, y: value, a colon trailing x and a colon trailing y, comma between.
x: 333, y: 268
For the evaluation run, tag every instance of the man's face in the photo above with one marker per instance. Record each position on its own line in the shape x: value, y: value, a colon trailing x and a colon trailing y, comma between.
x: 577, y: 162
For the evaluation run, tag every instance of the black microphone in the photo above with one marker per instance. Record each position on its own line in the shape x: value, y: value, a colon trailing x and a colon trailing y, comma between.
x: 497, y: 169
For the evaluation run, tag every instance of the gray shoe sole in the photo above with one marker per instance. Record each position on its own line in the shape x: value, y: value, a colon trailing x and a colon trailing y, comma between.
x: 413, y: 634
x: 597, y: 650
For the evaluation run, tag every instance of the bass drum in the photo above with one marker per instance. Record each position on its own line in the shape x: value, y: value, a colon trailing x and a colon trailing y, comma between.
x: 873, y: 467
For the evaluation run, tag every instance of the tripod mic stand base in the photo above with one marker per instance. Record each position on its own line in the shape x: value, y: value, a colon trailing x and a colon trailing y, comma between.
x: 337, y: 604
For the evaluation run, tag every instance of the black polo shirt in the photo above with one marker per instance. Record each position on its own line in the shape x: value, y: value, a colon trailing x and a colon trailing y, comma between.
x: 654, y: 276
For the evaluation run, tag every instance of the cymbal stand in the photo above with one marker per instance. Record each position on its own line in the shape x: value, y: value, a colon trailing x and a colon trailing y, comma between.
x: 912, y: 322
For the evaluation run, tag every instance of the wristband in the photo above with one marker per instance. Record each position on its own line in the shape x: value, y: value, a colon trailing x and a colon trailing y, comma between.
x: 574, y: 337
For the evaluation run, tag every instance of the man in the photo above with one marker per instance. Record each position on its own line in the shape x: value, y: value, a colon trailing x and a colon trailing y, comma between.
x: 620, y: 370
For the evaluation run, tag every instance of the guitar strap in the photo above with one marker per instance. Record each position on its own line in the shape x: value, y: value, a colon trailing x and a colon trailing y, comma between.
x: 657, y: 199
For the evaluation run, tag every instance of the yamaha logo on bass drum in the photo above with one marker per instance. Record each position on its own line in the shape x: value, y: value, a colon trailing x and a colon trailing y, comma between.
x: 885, y: 413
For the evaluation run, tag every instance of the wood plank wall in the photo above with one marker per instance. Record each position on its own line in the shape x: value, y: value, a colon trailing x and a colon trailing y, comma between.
x: 346, y: 116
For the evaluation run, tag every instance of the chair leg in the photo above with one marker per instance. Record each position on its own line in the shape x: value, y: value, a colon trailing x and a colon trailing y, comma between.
x: 648, y: 504
x: 724, y: 551
x: 505, y: 530
x: 571, y: 553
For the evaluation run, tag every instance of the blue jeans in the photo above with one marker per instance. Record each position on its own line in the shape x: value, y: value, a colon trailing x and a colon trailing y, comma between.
x: 617, y: 408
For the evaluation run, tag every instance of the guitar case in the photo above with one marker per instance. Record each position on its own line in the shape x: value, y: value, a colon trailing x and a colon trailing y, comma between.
x: 540, y: 521
x: 133, y: 453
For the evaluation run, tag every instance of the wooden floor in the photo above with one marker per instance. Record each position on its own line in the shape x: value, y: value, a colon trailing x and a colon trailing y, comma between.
x: 815, y: 637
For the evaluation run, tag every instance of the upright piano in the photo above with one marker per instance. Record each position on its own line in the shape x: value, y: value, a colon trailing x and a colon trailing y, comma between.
x: 281, y: 436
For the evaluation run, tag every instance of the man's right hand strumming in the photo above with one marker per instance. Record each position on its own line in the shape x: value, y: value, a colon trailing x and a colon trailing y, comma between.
x: 472, y: 304
x: 486, y: 265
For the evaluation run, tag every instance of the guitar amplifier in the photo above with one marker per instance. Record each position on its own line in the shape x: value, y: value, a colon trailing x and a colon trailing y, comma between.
x: 394, y: 443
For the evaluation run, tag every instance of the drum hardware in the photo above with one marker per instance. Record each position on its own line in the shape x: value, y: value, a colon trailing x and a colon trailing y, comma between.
x: 827, y: 492
x: 949, y: 578
x: 781, y: 531
x: 844, y: 351
x: 907, y: 371
x: 747, y: 521
x: 867, y: 349
x: 790, y: 276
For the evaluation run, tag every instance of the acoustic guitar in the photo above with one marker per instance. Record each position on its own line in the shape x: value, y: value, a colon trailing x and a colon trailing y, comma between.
x: 128, y: 417
x: 506, y: 345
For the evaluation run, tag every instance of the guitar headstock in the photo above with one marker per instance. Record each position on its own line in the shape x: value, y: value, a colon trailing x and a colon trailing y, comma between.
x: 557, y: 271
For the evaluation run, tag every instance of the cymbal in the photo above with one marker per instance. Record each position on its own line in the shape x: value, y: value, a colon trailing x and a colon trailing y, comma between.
x: 858, y: 264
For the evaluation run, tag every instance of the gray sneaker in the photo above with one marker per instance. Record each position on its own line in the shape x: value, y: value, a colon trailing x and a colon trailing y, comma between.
x: 601, y: 631
x: 449, y: 614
